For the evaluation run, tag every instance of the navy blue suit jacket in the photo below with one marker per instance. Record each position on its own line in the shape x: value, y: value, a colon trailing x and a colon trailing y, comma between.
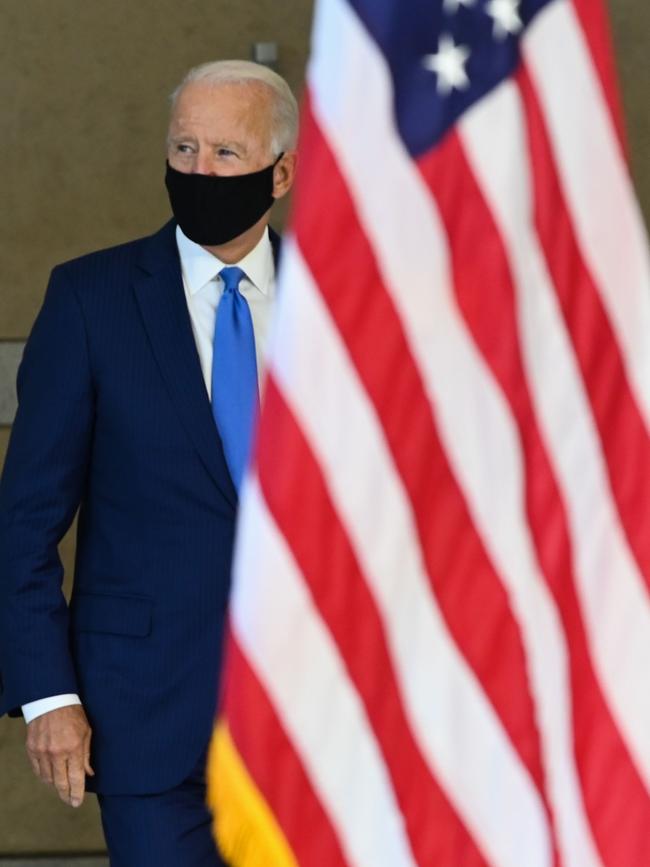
x: 114, y: 418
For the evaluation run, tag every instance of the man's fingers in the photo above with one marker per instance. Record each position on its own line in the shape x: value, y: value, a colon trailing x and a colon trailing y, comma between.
x: 87, y: 767
x: 45, y: 771
x: 40, y: 759
x: 61, y: 783
x: 76, y: 780
x: 58, y: 745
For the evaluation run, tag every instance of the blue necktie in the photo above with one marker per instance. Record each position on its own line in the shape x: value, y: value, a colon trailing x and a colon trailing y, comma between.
x: 234, y: 374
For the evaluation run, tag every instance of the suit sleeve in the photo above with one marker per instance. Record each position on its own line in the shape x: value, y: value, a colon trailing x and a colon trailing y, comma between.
x: 41, y: 487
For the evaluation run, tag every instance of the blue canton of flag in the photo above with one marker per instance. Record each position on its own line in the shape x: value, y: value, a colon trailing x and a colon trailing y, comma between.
x: 445, y: 56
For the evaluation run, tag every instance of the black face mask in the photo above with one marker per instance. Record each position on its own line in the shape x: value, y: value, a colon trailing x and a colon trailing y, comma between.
x: 213, y: 209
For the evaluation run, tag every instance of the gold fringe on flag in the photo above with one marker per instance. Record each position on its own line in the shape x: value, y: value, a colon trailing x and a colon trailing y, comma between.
x: 246, y: 831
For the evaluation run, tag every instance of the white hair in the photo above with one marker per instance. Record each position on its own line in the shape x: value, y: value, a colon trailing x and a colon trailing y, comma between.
x: 284, y: 110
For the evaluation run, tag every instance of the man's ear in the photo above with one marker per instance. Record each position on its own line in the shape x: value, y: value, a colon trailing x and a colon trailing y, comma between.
x: 284, y: 174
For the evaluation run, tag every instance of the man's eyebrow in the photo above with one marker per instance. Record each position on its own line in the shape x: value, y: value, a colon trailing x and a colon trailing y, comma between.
x: 229, y: 143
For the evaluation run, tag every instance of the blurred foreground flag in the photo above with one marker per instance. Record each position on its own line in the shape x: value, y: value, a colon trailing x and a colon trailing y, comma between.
x: 440, y: 619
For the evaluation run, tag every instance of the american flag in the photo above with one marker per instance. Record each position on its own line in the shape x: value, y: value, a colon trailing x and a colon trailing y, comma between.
x: 440, y: 620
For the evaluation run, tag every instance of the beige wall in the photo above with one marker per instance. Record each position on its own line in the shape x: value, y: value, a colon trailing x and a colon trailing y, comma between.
x: 82, y: 90
x: 631, y: 27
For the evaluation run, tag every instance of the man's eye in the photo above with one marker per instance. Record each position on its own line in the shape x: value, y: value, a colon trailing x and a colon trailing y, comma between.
x: 184, y: 149
x: 225, y: 152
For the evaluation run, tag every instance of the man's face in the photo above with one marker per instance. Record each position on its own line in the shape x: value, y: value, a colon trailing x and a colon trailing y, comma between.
x: 222, y: 129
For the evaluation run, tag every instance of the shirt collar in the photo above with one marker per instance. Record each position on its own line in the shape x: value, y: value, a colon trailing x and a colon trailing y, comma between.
x: 199, y: 266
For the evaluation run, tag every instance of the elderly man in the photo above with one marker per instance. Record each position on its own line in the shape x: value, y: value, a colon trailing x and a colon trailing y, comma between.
x: 137, y: 393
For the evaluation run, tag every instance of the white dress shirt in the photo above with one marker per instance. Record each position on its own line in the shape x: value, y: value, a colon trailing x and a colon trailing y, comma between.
x: 203, y: 288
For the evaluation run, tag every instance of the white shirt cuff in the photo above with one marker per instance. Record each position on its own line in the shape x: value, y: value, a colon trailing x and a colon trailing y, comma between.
x: 33, y: 709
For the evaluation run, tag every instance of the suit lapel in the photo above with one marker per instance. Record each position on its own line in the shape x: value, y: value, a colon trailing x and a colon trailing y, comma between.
x: 160, y: 296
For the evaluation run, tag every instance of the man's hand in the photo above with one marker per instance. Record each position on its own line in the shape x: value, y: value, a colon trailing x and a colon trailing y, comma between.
x: 58, y: 746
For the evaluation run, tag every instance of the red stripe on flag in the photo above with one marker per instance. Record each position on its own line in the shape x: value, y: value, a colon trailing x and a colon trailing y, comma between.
x: 623, y: 435
x: 595, y: 26
x: 270, y: 759
x: 487, y: 299
x: 325, y: 557
x: 465, y: 584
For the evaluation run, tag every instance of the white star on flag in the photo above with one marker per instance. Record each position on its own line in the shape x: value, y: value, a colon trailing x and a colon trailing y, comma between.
x: 449, y: 65
x: 505, y: 14
x: 452, y: 6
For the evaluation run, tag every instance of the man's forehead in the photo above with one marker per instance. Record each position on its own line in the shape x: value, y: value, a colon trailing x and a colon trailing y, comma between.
x: 234, y: 95
x: 227, y: 114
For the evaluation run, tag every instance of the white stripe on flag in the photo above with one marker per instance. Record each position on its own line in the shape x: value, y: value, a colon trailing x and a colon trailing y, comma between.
x: 270, y: 601
x: 410, y: 247
x: 494, y: 139
x: 456, y: 727
x: 611, y: 590
x: 596, y: 183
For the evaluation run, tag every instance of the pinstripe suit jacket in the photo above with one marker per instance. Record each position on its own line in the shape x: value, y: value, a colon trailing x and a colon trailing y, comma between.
x: 114, y: 418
